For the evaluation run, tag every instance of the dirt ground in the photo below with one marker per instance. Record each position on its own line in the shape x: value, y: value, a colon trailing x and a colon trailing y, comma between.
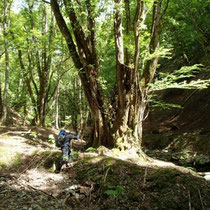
x: 110, y: 181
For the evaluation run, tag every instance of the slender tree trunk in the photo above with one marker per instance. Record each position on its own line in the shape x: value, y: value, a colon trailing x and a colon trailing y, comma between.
x: 57, y: 108
x: 80, y: 105
x: 6, y: 47
x: 128, y: 31
x: 26, y: 79
x: 1, y: 99
x: 1, y: 102
x: 44, y: 74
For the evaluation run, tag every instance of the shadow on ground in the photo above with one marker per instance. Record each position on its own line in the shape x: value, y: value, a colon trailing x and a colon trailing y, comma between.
x: 94, y: 181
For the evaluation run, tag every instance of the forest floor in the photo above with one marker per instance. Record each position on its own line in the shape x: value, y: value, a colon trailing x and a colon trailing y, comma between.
x: 95, y: 181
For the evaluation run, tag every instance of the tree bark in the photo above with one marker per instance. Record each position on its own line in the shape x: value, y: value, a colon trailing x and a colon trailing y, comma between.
x: 151, y: 65
x: 57, y: 108
x: 128, y: 31
x: 1, y: 102
x: 6, y: 47
x: 44, y: 74
x: 127, y: 124
x: 27, y: 81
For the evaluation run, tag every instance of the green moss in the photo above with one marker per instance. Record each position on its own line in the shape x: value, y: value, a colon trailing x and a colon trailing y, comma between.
x: 110, y: 161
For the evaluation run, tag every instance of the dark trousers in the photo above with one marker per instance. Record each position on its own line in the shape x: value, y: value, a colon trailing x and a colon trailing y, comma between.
x: 66, y: 154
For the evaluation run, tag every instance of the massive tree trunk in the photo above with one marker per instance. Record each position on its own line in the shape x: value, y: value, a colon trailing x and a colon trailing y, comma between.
x: 131, y: 106
x: 130, y: 101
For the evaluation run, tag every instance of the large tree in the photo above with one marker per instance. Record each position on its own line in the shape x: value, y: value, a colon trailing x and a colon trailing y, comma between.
x: 119, y: 122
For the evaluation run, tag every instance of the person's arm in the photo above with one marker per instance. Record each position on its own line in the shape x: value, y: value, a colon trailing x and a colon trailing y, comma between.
x: 69, y: 136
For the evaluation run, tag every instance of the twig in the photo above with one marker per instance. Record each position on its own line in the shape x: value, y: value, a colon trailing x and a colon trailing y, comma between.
x: 9, y: 176
x: 144, y: 182
x: 145, y: 174
x: 203, y: 173
x: 106, y: 174
x: 190, y: 207
x: 201, y: 199
x: 90, y: 192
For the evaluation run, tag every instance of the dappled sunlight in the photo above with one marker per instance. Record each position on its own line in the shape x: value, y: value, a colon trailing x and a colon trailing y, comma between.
x: 104, y: 175
x: 111, y: 156
x: 44, y: 180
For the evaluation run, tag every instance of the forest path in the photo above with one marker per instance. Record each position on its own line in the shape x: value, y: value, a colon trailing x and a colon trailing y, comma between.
x: 24, y: 181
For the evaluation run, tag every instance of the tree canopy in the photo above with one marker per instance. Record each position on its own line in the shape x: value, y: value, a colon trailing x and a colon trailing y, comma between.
x: 73, y: 62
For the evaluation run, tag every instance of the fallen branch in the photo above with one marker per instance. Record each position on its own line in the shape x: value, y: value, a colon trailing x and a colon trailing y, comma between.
x: 15, y: 132
x: 106, y: 174
x: 43, y: 160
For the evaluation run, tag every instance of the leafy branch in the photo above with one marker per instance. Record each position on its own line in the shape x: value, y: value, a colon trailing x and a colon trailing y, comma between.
x: 180, y: 79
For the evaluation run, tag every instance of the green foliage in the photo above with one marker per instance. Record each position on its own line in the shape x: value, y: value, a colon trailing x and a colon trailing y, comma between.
x: 51, y: 139
x: 91, y: 149
x: 185, y: 34
x: 33, y: 134
x: 187, y: 28
x: 154, y: 102
x: 115, y: 191
x: 75, y: 155
x: 160, y: 53
x: 180, y: 79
